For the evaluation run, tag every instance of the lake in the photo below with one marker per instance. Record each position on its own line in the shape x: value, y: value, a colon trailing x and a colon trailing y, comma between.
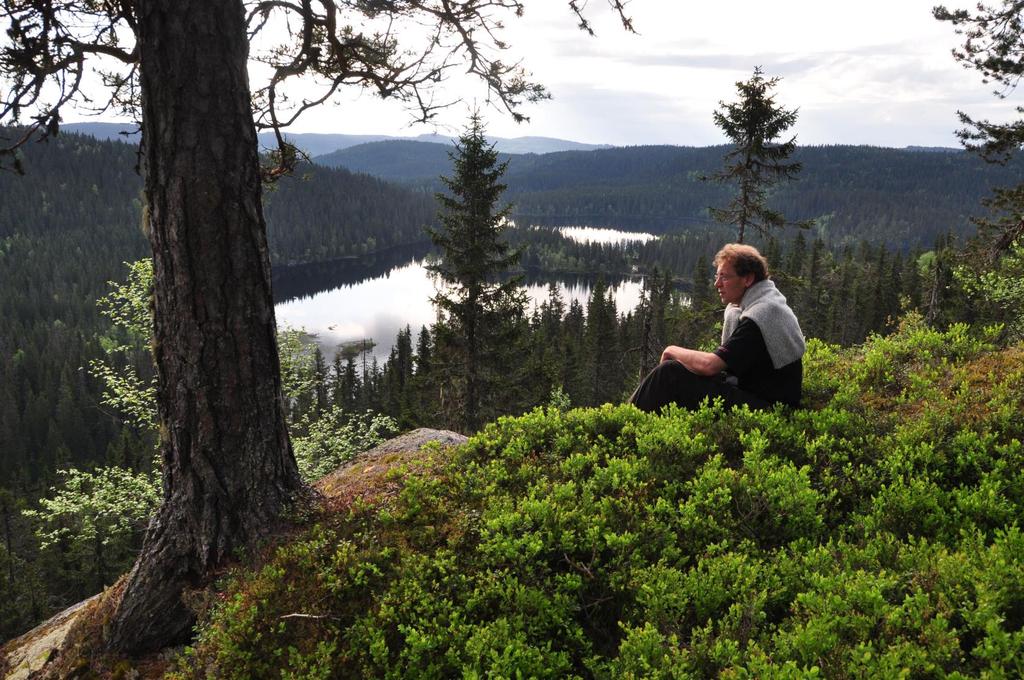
x: 602, y: 235
x: 375, y: 297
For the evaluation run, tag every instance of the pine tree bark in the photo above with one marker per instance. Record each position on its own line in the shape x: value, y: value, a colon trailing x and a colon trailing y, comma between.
x: 228, y: 464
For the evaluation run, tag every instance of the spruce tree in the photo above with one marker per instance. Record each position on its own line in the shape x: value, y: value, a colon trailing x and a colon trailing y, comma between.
x: 601, y: 363
x: 424, y: 380
x: 397, y: 377
x: 320, y: 381
x: 645, y: 323
x: 661, y: 305
x: 337, y: 375
x: 423, y: 351
x: 993, y: 35
x: 810, y: 299
x: 756, y: 162
x: 795, y: 260
x: 477, y: 314
x: 573, y: 329
x: 350, y: 384
x: 548, y: 335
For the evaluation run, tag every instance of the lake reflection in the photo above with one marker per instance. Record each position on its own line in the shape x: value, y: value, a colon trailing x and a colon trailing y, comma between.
x: 600, y: 235
x: 380, y: 306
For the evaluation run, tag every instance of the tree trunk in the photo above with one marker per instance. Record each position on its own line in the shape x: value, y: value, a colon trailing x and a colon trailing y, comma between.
x: 227, y: 461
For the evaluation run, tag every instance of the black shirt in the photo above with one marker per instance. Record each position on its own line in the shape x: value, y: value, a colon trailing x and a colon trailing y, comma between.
x: 747, y: 358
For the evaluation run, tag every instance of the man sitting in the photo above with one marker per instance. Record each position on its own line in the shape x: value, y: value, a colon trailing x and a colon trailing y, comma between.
x: 759, y: 360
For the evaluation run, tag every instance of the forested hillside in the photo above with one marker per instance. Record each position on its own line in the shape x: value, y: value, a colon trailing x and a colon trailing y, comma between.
x: 321, y: 213
x: 67, y: 226
x: 396, y: 160
x: 65, y: 229
x: 903, y: 198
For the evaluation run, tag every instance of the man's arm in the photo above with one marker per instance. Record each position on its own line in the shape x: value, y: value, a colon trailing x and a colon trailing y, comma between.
x: 695, y: 361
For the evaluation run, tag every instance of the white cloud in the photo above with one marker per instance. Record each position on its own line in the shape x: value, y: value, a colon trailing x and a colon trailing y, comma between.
x: 876, y: 72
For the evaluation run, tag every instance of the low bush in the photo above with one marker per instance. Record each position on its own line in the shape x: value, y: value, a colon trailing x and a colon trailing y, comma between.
x: 874, y: 534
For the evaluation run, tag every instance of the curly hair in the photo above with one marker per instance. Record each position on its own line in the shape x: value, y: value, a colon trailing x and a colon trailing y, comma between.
x: 744, y: 259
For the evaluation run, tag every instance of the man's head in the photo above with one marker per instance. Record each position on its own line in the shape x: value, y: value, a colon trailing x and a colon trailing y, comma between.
x: 738, y: 267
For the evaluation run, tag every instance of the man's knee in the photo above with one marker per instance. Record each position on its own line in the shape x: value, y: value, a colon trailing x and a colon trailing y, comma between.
x: 679, y: 374
x: 670, y: 367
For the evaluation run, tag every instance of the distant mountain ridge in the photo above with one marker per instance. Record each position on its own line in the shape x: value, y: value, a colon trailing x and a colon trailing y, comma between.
x: 317, y: 144
x: 904, y: 198
x: 393, y: 160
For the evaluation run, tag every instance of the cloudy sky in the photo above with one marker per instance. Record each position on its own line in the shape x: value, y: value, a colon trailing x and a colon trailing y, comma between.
x: 871, y: 72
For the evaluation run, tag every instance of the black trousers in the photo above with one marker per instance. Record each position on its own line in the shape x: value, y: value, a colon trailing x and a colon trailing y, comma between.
x: 672, y: 383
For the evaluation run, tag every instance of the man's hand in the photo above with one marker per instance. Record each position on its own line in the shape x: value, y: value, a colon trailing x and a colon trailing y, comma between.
x: 695, y: 361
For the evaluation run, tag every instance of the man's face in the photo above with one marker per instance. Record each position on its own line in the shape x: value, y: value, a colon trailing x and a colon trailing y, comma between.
x: 729, y: 285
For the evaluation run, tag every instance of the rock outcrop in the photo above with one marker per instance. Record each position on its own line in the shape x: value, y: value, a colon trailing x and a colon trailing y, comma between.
x: 364, y: 478
x: 31, y: 652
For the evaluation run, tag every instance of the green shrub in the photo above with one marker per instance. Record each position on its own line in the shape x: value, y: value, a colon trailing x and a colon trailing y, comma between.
x: 334, y: 437
x: 873, y: 535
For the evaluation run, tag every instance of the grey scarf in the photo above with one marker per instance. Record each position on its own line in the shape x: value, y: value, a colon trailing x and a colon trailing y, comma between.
x: 766, y: 306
